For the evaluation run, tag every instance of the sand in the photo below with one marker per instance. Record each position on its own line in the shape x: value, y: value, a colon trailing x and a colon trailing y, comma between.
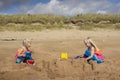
x: 47, y: 46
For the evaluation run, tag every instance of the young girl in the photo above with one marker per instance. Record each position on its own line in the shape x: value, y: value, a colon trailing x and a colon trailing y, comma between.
x: 92, y: 52
x: 23, y: 54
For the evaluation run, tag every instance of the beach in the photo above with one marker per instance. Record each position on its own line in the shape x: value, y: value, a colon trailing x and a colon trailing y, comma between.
x: 47, y: 46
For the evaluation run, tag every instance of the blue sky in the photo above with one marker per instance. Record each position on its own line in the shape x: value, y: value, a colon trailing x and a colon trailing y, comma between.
x: 114, y: 1
x: 59, y: 7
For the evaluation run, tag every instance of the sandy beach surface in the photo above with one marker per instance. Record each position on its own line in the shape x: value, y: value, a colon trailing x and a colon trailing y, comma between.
x: 49, y: 44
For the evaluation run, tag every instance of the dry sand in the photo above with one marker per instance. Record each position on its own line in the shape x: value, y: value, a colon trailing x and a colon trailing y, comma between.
x: 47, y: 46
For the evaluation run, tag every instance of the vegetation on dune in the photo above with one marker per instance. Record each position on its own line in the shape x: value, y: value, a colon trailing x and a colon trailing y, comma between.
x: 29, y: 22
x: 96, y: 18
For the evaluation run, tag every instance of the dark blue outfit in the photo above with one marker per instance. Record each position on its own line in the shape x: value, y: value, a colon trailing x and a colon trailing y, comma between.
x: 94, y: 58
x: 24, y: 58
x: 28, y: 55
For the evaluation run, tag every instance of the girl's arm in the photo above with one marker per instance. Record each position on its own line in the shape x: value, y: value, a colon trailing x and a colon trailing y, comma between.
x: 21, y: 52
x: 92, y: 53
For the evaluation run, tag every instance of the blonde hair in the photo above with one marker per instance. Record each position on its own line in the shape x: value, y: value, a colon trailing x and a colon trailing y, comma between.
x: 89, y: 40
x: 26, y: 42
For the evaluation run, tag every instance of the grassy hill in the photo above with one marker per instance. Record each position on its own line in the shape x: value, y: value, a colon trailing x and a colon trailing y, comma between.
x: 29, y: 22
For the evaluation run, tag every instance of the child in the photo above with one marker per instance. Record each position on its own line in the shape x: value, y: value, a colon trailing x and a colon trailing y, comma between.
x: 23, y: 54
x: 92, y: 52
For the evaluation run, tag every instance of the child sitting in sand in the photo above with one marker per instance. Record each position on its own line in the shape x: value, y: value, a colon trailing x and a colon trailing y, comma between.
x: 23, y: 54
x: 92, y: 52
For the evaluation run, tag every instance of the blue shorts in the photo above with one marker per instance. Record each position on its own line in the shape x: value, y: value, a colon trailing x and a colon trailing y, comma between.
x: 19, y: 59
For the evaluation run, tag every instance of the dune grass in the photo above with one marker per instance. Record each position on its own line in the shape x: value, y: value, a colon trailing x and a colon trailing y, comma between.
x: 28, y: 22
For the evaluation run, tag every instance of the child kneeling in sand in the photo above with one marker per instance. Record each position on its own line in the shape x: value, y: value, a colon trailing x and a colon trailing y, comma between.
x: 92, y: 52
x: 23, y: 54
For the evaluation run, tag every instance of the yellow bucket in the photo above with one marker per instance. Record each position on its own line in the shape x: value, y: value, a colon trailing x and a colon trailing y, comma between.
x: 64, y: 55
